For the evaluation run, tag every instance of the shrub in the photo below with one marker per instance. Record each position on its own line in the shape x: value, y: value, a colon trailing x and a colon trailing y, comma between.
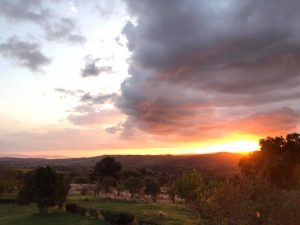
x: 7, y: 200
x: 148, y: 222
x: 93, y: 212
x: 118, y: 218
x: 72, y: 208
x: 81, y: 210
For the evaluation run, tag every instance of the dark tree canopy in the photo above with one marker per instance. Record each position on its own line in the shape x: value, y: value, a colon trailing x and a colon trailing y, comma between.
x: 133, y: 185
x: 107, y: 167
x: 277, y: 161
x: 44, y: 187
x: 152, y: 188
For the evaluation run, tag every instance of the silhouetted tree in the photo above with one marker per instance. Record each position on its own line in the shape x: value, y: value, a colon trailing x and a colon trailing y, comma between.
x: 44, y: 187
x: 62, y: 190
x: 152, y: 188
x: 188, y: 186
x: 133, y: 185
x: 107, y: 167
x: 276, y: 161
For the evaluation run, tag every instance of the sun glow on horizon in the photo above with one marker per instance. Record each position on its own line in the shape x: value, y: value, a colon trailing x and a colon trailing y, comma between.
x: 241, y: 146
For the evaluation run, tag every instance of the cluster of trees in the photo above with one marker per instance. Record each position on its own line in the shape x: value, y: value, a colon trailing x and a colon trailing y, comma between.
x: 108, y: 173
x: 267, y: 191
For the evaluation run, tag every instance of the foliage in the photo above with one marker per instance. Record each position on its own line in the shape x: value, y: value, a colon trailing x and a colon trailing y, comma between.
x: 72, y: 208
x: 148, y: 222
x: 62, y: 190
x: 81, y: 210
x: 7, y: 200
x: 246, y: 202
x: 107, y: 167
x: 133, y: 185
x: 8, y: 179
x: 93, y: 212
x: 152, y: 188
x: 277, y: 161
x: 107, y: 183
x: 118, y: 218
x: 188, y: 186
x: 44, y: 187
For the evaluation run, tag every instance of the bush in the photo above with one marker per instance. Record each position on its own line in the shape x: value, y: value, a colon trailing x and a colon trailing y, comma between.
x: 118, y: 218
x: 81, y: 210
x: 93, y: 212
x: 7, y: 200
x: 72, y: 208
x: 148, y: 222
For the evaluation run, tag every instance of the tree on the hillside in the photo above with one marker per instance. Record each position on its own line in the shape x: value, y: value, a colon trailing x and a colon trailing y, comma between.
x: 152, y: 188
x: 133, y: 185
x: 62, y: 190
x: 188, y: 186
x: 8, y: 180
x: 2, y: 188
x: 172, y: 192
x: 107, y: 167
x: 44, y: 187
x: 276, y: 161
x: 107, y: 172
x: 107, y: 183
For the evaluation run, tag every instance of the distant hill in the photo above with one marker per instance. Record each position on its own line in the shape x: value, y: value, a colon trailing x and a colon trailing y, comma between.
x: 220, y: 162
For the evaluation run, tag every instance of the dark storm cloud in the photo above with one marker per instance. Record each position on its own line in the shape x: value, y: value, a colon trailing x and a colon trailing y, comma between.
x: 25, y: 54
x: 92, y: 69
x: 55, y: 27
x: 193, y: 60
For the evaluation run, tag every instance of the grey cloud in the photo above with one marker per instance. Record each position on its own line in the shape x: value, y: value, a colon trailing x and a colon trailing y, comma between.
x: 55, y: 27
x: 65, y: 29
x: 25, y: 54
x: 28, y: 10
x: 65, y: 91
x: 114, y: 129
x: 92, y: 118
x: 88, y: 113
x: 99, y: 99
x: 92, y: 69
x: 192, y: 60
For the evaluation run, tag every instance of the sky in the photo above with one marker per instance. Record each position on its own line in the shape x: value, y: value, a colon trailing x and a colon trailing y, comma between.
x: 85, y: 78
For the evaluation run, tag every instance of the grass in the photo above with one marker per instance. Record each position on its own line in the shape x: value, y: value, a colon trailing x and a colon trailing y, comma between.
x: 27, y: 215
x: 173, y: 214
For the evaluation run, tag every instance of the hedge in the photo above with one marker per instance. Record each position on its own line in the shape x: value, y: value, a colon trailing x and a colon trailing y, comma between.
x: 118, y: 218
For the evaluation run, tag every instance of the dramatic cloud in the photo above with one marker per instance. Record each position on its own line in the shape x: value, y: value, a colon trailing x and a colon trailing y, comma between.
x: 196, y: 63
x: 91, y: 113
x: 25, y: 54
x: 92, y: 69
x: 56, y: 27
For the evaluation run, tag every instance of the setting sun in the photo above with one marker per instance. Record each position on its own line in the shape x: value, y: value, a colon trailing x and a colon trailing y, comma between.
x: 236, y: 146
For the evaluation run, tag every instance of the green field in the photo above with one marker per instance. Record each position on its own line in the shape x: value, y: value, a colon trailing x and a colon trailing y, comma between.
x: 173, y: 214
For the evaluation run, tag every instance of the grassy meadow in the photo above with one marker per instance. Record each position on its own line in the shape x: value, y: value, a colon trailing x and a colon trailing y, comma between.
x: 165, y: 214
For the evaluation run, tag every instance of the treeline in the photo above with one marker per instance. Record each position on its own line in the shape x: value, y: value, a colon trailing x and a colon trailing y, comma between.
x: 266, y: 192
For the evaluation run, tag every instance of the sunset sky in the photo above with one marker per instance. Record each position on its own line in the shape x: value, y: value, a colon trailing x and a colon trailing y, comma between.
x: 86, y: 78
